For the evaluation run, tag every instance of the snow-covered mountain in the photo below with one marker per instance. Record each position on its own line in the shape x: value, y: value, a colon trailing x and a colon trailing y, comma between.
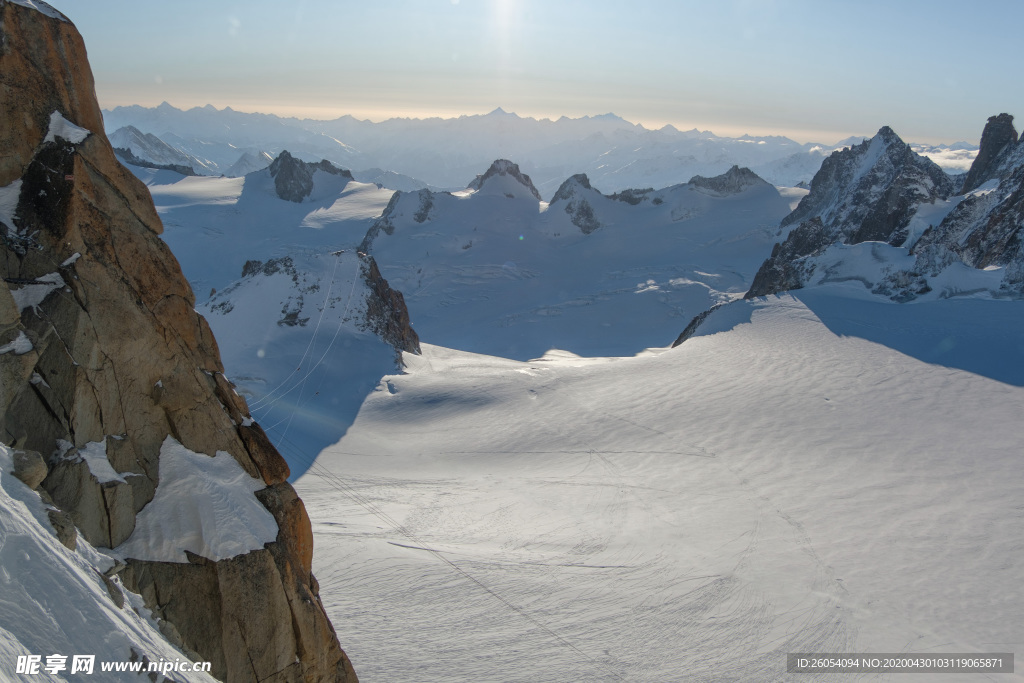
x: 283, y: 288
x: 590, y: 273
x: 445, y: 153
x: 215, y: 225
x: 884, y: 215
x: 819, y: 470
x: 149, y: 147
x: 390, y: 180
x: 248, y: 163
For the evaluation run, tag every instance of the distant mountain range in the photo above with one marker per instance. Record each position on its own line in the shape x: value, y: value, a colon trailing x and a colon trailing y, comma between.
x: 406, y: 154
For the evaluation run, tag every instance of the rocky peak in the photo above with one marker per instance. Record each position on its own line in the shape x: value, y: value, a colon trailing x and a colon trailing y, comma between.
x: 868, y: 192
x: 577, y: 194
x: 106, y: 368
x: 999, y: 134
x: 505, y: 168
x: 857, y: 190
x: 419, y: 204
x: 293, y: 178
x: 871, y: 192
x: 568, y: 188
x: 733, y: 181
x: 986, y: 228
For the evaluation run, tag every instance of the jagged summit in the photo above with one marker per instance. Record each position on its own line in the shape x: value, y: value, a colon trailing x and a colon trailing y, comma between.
x: 293, y: 178
x: 880, y: 191
x: 868, y: 192
x: 846, y: 190
x: 503, y: 168
x: 566, y: 189
x: 888, y: 135
x: 733, y: 181
x: 578, y: 196
x: 999, y: 134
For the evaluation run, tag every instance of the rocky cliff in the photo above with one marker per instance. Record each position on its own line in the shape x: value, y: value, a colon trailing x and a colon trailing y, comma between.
x: 105, y: 369
x: 998, y: 137
x: 984, y: 229
x: 293, y: 178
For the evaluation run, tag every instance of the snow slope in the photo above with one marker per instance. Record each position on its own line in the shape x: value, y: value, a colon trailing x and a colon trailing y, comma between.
x: 294, y: 338
x: 248, y: 163
x: 53, y: 600
x: 803, y: 475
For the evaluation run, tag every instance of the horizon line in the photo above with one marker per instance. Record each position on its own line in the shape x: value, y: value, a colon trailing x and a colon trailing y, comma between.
x: 309, y: 112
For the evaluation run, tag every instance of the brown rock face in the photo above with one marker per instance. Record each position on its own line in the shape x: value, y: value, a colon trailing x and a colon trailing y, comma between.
x: 103, y: 347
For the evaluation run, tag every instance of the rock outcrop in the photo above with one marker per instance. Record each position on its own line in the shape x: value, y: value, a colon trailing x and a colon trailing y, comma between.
x: 505, y: 168
x: 998, y: 136
x: 102, y: 358
x: 386, y: 313
x: 293, y: 178
x: 733, y: 181
x: 576, y: 194
x: 986, y: 228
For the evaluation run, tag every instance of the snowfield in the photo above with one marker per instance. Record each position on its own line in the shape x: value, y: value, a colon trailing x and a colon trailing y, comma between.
x: 786, y: 481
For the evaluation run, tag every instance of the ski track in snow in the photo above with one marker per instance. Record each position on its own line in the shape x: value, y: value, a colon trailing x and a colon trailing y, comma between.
x: 672, y: 516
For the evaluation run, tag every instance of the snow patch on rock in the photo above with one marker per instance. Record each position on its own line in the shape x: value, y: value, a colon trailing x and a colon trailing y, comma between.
x: 31, y: 295
x: 19, y: 346
x: 9, y: 202
x: 60, y: 127
x: 94, y: 454
x: 203, y: 505
x: 40, y: 6
x: 56, y: 600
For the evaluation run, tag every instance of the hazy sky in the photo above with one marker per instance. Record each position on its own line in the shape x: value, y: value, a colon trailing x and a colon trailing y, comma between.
x: 810, y: 69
